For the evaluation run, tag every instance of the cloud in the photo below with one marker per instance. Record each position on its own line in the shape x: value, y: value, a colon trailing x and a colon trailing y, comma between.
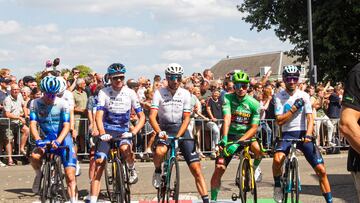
x: 6, y: 55
x: 209, y: 51
x: 9, y: 27
x: 188, y: 9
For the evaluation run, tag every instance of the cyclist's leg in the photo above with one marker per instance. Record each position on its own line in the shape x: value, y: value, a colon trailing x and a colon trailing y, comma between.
x: 159, y: 152
x: 187, y: 148
x: 102, y: 150
x: 315, y: 159
x: 281, y: 150
x: 128, y: 154
x: 69, y: 162
x: 256, y: 149
x: 35, y: 162
x: 220, y: 167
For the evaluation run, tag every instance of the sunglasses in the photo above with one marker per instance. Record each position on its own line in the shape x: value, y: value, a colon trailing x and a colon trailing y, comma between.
x: 115, y: 78
x: 291, y: 79
x: 174, y: 77
x: 241, y: 86
x: 76, y: 72
x: 50, y: 96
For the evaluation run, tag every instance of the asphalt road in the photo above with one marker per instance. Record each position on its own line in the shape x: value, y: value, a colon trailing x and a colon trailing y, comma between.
x: 16, y: 181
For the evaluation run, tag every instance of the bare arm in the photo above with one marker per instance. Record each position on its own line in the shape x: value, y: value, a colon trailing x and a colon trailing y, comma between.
x: 350, y: 128
x: 99, y: 121
x: 153, y: 122
x: 140, y: 123
x: 34, y: 131
x: 250, y: 133
x: 64, y: 132
x: 184, y: 124
x: 310, y: 124
x: 283, y: 118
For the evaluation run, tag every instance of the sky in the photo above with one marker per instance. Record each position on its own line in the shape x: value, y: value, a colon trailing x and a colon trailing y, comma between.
x: 143, y: 35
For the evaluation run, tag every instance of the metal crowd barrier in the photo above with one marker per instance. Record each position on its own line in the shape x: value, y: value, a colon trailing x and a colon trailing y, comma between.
x: 203, y: 135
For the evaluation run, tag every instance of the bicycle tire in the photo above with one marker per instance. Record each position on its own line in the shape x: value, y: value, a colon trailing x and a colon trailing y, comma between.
x: 60, y: 180
x: 295, y: 181
x: 285, y: 180
x: 109, y: 181
x: 173, y: 182
x: 44, y: 188
x: 126, y: 181
x: 248, y: 193
x: 119, y: 189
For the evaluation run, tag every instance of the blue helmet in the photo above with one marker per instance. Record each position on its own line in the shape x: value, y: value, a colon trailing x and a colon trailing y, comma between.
x: 50, y: 84
x: 116, y: 68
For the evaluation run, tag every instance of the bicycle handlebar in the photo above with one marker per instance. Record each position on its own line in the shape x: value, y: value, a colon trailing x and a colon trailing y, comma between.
x: 241, y: 142
x: 292, y: 140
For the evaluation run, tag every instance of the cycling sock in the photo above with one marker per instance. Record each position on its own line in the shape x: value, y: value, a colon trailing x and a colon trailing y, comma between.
x: 157, y: 170
x: 93, y: 199
x: 38, y: 172
x: 328, y: 197
x: 257, y: 162
x: 277, y: 181
x: 73, y: 200
x: 205, y: 198
x: 214, y: 193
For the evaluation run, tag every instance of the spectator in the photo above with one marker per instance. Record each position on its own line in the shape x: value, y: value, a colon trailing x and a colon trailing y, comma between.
x: 75, y: 75
x: 4, y: 73
x: 214, y: 111
x: 334, y: 103
x: 208, y: 75
x: 149, y: 132
x: 198, y: 109
x: 13, y: 109
x: 142, y: 81
x: 3, y: 123
x: 21, y: 83
x: 13, y: 80
x: 80, y: 101
x: 264, y: 100
x: 25, y: 92
x: 30, y: 82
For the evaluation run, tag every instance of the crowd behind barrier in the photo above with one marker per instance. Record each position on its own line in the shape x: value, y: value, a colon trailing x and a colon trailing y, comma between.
x: 204, y: 139
x: 207, y: 95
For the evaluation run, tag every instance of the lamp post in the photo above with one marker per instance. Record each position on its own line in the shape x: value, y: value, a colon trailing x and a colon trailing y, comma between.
x: 313, y: 71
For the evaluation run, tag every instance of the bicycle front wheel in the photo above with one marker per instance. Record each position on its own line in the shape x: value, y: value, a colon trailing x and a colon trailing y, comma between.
x: 247, y: 184
x: 126, y: 181
x: 119, y: 183
x: 295, y: 181
x: 44, y: 188
x: 173, y: 181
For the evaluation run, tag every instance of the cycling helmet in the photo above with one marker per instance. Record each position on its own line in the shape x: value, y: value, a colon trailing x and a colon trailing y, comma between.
x: 116, y: 68
x: 63, y: 84
x: 50, y: 84
x: 174, y: 69
x: 240, y: 76
x: 291, y: 70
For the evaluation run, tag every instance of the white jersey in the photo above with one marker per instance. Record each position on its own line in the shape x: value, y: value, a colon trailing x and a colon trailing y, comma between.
x: 69, y: 98
x: 171, y: 108
x: 117, y: 108
x: 283, y: 104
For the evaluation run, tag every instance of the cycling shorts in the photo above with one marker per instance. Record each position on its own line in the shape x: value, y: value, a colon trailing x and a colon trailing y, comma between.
x: 187, y: 147
x: 102, y: 148
x: 309, y: 149
x: 225, y: 160
x: 68, y: 141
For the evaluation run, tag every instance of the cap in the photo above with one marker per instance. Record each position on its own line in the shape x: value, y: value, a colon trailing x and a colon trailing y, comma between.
x: 28, y: 78
x: 6, y: 80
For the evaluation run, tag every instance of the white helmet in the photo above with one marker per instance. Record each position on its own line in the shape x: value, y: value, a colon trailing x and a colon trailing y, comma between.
x: 174, y: 69
x: 63, y: 84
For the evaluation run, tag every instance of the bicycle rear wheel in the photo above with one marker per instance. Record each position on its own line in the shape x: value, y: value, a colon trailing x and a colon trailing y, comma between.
x: 286, y: 180
x: 44, y: 188
x: 247, y: 184
x: 119, y: 184
x: 295, y: 181
x: 173, y: 181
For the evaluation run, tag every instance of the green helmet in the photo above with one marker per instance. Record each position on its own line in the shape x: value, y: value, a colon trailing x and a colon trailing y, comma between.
x: 240, y: 76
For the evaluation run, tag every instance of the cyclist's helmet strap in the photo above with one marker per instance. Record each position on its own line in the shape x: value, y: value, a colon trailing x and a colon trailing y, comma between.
x: 50, y: 84
x: 291, y: 70
x: 116, y: 68
x: 174, y: 69
x: 240, y: 77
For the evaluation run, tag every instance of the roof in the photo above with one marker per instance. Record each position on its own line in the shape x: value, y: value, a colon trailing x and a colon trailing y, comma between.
x: 253, y: 63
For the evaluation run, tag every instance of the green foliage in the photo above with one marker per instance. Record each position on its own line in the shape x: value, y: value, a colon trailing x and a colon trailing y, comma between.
x: 336, y: 30
x: 84, y: 70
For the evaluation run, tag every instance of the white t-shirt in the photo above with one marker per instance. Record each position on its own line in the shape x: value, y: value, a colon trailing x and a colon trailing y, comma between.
x: 69, y: 97
x: 171, y: 108
x: 283, y: 104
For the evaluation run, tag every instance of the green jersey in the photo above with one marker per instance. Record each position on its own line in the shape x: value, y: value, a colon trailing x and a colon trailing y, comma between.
x: 244, y: 113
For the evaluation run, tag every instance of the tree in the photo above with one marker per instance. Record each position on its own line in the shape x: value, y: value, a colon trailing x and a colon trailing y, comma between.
x: 84, y: 70
x: 336, y: 30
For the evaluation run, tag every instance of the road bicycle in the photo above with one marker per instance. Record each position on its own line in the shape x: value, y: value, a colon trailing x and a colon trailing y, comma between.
x: 291, y: 176
x: 117, y: 174
x: 245, y: 175
x: 52, y: 187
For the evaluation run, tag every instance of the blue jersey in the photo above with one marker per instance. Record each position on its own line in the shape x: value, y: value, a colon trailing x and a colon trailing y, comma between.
x: 50, y: 117
x: 117, y: 107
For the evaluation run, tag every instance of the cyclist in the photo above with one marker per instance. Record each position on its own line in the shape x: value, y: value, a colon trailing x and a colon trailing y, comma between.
x: 113, y: 118
x: 241, y: 120
x: 53, y: 116
x: 171, y: 105
x: 294, y: 115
